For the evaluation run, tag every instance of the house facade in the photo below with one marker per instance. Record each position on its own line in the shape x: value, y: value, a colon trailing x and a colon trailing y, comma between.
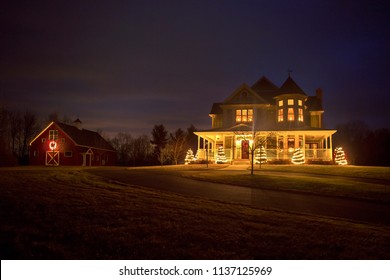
x: 65, y: 144
x: 281, y: 119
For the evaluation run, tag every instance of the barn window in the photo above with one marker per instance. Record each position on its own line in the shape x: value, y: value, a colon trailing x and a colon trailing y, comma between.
x: 53, y: 134
x: 36, y: 154
x: 43, y: 140
x: 68, y: 154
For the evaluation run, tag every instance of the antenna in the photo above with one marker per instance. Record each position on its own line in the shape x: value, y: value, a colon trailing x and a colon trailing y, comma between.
x: 289, y: 71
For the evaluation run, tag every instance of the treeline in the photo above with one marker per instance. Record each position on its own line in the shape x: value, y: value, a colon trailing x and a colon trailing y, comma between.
x: 362, y: 145
x: 162, y: 148
x: 17, y: 129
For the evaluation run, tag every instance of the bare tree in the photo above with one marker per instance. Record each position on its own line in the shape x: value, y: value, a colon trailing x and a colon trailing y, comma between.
x: 177, y: 143
x: 257, y: 139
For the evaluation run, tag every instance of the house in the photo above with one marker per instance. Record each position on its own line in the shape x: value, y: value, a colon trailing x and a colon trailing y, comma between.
x: 281, y: 119
x: 70, y: 144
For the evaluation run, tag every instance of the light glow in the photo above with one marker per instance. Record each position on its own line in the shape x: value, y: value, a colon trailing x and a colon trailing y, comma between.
x: 53, y: 145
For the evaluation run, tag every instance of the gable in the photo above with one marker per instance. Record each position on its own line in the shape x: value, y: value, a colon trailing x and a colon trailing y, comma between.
x: 244, y: 95
x: 80, y: 137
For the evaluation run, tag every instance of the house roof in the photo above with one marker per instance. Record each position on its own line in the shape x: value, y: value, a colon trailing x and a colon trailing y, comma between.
x: 216, y: 109
x: 84, y: 137
x: 314, y: 103
x: 290, y: 86
x: 266, y: 89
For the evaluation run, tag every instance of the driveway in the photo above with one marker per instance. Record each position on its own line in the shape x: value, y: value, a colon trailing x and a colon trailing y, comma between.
x: 345, y: 208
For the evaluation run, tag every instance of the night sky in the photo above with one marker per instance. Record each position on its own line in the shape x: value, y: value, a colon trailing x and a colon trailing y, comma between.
x: 124, y: 66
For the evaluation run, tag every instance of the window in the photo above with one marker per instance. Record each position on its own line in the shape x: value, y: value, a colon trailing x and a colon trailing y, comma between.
x: 53, y: 134
x: 280, y: 115
x: 68, y: 154
x: 43, y: 140
x: 290, y: 114
x: 280, y: 103
x: 299, y: 102
x: 238, y: 115
x: 36, y: 153
x: 290, y: 102
x: 300, y: 114
x: 244, y: 115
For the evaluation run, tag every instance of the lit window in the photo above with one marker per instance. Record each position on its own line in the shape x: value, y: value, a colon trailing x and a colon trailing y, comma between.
x: 280, y: 115
x: 250, y: 115
x: 238, y: 115
x: 290, y: 102
x: 280, y: 103
x: 244, y: 115
x: 299, y: 102
x: 290, y: 114
x: 300, y: 115
x: 53, y: 134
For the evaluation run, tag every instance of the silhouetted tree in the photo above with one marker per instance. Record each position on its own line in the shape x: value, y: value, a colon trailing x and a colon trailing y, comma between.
x: 159, y: 140
x: 192, y: 139
x: 363, y: 145
x: 132, y: 151
x: 177, y: 143
x: 23, y: 128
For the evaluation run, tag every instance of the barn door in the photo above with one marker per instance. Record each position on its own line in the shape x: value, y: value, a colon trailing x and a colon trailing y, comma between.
x: 53, y: 158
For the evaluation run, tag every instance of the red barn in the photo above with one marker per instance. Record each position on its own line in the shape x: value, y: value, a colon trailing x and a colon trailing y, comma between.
x: 64, y: 144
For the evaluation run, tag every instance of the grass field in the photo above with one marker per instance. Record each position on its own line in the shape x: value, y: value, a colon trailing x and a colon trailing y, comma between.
x: 67, y: 213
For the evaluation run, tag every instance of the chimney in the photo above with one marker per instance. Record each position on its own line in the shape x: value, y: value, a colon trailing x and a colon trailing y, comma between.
x: 319, y: 94
x: 77, y: 123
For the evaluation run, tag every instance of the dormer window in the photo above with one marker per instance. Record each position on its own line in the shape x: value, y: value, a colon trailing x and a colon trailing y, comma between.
x: 244, y: 115
x: 290, y: 102
x: 300, y: 102
x: 280, y: 103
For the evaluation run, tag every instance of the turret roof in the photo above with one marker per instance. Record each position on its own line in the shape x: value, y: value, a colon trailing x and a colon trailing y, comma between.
x: 290, y: 86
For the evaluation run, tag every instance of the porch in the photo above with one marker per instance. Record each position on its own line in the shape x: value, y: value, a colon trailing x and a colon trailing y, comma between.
x: 278, y: 145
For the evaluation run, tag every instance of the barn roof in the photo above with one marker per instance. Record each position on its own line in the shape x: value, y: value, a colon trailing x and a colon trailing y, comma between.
x: 84, y: 137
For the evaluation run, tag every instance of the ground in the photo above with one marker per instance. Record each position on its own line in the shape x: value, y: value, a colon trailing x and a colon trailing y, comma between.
x: 75, y: 213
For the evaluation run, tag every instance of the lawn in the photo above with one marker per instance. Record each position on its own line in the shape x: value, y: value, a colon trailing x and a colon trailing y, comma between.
x: 67, y: 213
x: 357, y: 182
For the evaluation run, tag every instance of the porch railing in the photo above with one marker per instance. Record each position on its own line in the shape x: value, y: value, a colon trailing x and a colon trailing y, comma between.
x: 272, y: 154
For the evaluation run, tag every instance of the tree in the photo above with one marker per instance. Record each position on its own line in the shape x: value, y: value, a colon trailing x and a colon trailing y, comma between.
x: 298, y: 157
x: 159, y: 139
x: 261, y: 155
x: 22, y: 128
x: 177, y: 142
x: 192, y: 139
x: 132, y: 151
x: 340, y: 156
x: 258, y: 139
x: 221, y: 157
x: 189, y: 157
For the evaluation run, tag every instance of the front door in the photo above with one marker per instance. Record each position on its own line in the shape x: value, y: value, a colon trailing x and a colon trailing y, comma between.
x: 245, y: 149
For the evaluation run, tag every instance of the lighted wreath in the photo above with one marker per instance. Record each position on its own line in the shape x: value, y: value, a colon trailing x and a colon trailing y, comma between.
x: 53, y: 145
